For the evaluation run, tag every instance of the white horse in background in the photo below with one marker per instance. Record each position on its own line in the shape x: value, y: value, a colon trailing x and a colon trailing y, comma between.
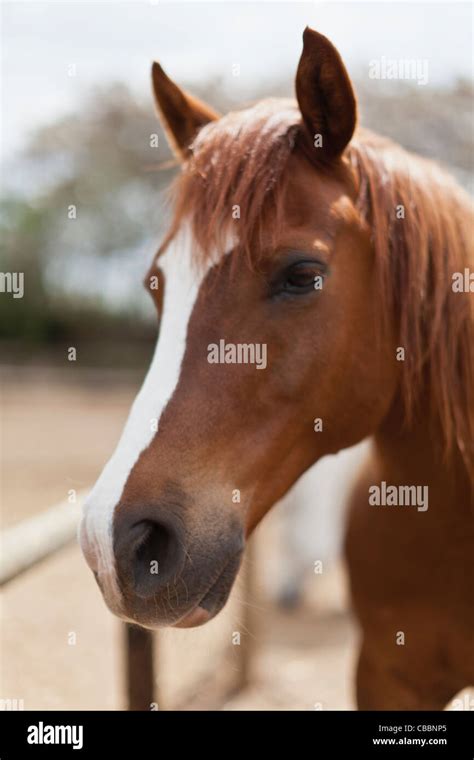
x: 312, y: 521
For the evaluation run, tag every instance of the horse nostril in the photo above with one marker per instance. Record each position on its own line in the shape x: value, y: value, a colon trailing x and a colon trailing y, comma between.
x: 155, y: 557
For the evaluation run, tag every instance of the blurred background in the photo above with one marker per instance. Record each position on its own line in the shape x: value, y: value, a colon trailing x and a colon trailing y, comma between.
x: 85, y: 173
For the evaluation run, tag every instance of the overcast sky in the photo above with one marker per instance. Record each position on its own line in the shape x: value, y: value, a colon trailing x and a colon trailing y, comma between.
x: 117, y: 40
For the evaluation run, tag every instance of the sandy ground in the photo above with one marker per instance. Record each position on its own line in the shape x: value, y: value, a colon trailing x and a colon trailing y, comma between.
x: 62, y: 649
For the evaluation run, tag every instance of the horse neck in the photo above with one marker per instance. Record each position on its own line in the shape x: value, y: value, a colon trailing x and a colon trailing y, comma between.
x: 414, y: 454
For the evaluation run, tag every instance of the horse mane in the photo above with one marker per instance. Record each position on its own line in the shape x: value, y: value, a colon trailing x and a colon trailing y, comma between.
x: 421, y: 224
x: 421, y: 227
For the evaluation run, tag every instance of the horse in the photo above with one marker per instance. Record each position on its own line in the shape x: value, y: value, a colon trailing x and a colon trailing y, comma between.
x: 308, y: 292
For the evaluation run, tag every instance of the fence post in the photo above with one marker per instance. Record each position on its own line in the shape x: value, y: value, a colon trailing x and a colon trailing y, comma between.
x: 139, y: 668
x: 249, y: 624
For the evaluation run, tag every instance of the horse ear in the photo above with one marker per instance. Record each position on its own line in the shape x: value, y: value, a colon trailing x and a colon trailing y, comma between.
x: 325, y: 96
x: 182, y: 114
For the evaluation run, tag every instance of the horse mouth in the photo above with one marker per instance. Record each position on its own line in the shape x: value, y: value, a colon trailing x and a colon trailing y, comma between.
x: 198, y: 616
x: 214, y: 598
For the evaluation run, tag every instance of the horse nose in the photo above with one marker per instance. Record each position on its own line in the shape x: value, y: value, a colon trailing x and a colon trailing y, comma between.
x: 149, y: 551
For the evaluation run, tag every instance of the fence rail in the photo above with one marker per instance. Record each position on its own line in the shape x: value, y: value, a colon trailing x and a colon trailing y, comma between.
x: 26, y: 544
x: 30, y: 541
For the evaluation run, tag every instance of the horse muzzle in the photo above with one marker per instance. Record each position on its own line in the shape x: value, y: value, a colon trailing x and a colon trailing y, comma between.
x: 165, y: 572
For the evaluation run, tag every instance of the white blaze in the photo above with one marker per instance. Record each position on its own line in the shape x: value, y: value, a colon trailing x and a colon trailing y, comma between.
x: 181, y: 288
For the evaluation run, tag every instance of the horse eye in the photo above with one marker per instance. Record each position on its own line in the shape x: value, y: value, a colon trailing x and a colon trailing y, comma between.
x: 300, y: 278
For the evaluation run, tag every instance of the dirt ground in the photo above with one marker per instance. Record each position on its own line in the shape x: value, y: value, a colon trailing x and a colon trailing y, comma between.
x: 61, y: 648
